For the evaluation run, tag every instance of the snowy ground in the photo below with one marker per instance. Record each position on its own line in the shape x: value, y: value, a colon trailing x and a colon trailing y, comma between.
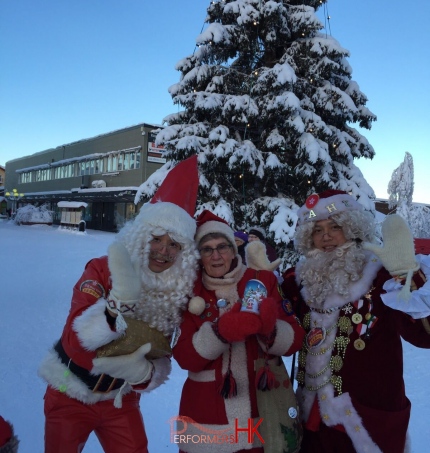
x: 39, y: 266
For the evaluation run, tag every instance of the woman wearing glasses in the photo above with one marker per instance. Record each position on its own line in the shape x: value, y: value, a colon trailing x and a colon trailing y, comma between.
x: 221, y: 344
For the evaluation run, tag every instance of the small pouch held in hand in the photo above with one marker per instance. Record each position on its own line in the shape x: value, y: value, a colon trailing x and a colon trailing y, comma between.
x: 137, y: 334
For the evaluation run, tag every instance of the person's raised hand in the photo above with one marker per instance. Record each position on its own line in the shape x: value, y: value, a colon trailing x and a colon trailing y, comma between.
x: 126, y: 280
x: 256, y: 257
x: 397, y: 253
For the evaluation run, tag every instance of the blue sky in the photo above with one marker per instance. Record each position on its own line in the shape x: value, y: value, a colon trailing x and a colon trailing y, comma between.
x: 76, y: 69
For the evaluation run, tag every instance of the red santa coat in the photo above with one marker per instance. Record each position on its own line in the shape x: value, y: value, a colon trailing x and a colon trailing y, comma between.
x: 87, y: 329
x: 362, y: 390
x: 206, y: 358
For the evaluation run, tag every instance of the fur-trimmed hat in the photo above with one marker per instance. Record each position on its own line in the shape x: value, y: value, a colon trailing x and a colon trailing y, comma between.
x: 242, y: 236
x: 324, y: 205
x: 208, y: 222
x: 356, y: 222
x: 164, y: 295
x: 173, y: 205
x: 259, y: 232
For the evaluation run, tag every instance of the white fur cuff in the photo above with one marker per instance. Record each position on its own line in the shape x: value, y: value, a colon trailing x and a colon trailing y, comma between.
x: 92, y: 328
x: 207, y: 344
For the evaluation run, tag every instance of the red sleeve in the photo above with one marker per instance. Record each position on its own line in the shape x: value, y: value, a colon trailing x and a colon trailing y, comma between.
x: 93, y: 284
x: 285, y: 313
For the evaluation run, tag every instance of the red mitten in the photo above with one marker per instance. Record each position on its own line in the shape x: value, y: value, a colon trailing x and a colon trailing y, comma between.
x: 236, y: 325
x: 268, y: 315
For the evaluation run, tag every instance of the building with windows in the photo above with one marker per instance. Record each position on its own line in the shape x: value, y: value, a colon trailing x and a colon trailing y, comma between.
x: 101, y: 174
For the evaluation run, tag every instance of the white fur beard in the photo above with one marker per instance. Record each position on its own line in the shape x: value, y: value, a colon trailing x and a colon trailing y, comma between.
x: 324, y: 273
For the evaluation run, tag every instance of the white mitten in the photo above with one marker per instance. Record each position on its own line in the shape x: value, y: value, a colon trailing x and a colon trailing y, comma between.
x: 398, y: 252
x: 126, y: 280
x: 256, y: 258
x: 134, y: 368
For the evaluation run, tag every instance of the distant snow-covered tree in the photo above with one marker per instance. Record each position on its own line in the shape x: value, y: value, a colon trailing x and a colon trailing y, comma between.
x: 419, y: 221
x: 401, y: 187
x: 400, y: 190
x: 269, y: 107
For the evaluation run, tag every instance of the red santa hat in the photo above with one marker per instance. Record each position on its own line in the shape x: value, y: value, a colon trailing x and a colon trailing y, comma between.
x: 208, y: 222
x: 173, y: 205
x: 324, y: 205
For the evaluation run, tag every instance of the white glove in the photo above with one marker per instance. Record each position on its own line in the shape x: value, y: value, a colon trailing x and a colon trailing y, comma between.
x: 134, y: 368
x: 256, y: 258
x: 398, y: 251
x: 126, y: 281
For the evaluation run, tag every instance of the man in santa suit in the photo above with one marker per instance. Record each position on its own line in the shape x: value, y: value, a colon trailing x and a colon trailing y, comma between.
x: 356, y: 300
x: 148, y: 275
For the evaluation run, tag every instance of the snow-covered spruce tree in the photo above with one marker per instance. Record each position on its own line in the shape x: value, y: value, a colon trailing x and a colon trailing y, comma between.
x: 268, y: 105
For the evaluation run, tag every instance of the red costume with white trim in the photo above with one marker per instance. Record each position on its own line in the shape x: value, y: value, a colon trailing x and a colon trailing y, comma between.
x: 351, y: 389
x: 200, y: 351
x: 87, y: 329
x: 142, y: 278
x: 365, y: 395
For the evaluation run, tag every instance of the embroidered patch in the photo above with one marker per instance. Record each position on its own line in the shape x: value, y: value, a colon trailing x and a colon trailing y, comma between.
x: 93, y: 288
x: 287, y: 307
x: 312, y: 200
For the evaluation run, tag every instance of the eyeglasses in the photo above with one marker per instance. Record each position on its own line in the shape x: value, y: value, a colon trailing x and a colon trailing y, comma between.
x: 172, y: 247
x: 331, y: 230
x: 222, y: 249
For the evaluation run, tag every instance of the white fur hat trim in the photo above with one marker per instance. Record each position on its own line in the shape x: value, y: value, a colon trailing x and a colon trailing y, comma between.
x: 212, y: 226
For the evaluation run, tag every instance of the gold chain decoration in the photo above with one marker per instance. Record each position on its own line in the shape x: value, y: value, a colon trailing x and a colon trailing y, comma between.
x: 322, y: 350
x: 302, y: 358
x: 337, y: 383
x: 307, y: 320
x: 300, y: 377
x: 314, y: 388
x: 344, y: 324
x: 342, y: 344
x: 336, y: 363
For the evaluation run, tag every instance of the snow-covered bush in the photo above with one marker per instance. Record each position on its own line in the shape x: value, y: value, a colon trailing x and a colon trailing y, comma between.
x: 33, y: 214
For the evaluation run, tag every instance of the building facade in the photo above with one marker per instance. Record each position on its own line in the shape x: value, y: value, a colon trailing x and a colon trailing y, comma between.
x: 102, y: 173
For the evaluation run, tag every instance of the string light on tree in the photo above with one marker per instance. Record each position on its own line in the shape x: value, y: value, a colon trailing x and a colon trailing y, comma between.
x: 267, y: 102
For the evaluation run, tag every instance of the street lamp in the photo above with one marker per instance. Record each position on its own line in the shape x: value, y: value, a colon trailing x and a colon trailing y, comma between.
x: 14, y: 197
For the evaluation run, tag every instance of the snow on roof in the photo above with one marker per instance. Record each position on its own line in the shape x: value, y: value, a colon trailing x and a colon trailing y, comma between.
x: 72, y: 204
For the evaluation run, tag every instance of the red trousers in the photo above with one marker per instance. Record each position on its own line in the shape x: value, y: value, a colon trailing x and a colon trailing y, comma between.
x: 68, y: 424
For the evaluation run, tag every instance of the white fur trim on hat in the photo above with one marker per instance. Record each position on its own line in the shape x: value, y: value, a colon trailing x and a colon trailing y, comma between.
x: 169, y: 217
x: 212, y: 226
x: 317, y: 208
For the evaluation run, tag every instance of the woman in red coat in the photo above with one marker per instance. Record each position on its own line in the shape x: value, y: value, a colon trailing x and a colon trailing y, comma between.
x: 219, y: 345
